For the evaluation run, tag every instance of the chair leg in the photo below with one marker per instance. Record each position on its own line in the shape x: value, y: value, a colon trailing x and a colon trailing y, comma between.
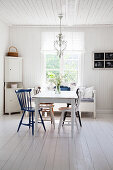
x: 51, y: 120
x: 42, y: 121
x: 52, y: 117
x: 32, y: 123
x: 79, y: 118
x: 61, y: 119
x: 65, y: 115
x: 52, y: 112
x: 29, y: 120
x: 80, y: 114
x: 21, y: 121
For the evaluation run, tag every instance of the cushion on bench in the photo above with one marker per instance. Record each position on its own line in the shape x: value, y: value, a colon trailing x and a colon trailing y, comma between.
x: 87, y: 100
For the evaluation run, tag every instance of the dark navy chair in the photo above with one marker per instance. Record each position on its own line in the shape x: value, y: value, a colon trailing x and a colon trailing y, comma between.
x: 66, y: 88
x: 63, y: 88
x: 24, y: 98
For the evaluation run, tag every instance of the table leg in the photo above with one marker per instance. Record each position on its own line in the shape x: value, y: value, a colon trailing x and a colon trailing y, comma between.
x: 61, y: 120
x: 36, y: 116
x: 73, y: 117
x: 52, y: 116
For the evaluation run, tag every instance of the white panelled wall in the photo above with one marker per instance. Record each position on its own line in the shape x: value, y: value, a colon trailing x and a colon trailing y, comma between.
x: 28, y: 42
x: 4, y: 35
x: 99, y: 39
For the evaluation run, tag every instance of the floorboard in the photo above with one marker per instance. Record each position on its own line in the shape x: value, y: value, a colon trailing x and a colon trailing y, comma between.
x: 90, y: 149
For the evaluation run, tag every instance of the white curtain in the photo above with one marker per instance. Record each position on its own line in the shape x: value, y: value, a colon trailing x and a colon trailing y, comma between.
x: 75, y: 41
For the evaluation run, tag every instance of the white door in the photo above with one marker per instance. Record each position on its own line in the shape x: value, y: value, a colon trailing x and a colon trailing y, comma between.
x: 13, y: 69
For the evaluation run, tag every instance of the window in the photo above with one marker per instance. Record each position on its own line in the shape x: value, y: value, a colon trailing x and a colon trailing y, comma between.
x: 52, y: 65
x: 71, y: 65
x: 68, y: 66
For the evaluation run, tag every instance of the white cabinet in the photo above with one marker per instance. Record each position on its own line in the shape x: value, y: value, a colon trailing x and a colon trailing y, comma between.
x: 13, y: 69
x: 11, y: 101
x: 13, y: 74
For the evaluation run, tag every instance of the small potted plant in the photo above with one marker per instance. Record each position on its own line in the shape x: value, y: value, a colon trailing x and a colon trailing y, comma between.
x: 57, y: 80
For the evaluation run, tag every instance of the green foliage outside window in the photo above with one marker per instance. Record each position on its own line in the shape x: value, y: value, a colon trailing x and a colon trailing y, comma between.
x: 69, y: 65
x: 52, y: 61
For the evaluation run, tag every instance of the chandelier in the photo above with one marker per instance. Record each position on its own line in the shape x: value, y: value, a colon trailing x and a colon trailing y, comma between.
x: 60, y: 45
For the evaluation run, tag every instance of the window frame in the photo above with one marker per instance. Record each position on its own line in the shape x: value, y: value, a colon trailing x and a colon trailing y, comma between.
x: 80, y: 64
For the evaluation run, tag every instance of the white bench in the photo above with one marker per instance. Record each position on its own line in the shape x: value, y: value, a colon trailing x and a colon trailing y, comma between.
x: 88, y: 104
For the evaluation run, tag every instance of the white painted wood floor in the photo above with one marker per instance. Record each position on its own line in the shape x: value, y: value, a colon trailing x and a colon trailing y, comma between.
x: 91, y: 148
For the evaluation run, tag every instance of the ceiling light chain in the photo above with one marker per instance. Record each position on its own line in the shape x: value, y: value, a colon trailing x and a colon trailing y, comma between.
x: 60, y: 45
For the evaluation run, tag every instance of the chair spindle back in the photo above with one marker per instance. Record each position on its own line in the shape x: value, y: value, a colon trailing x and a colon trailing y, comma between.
x: 24, y: 98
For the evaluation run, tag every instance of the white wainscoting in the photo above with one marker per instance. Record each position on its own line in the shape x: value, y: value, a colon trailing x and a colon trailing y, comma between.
x: 28, y: 41
x: 4, y: 35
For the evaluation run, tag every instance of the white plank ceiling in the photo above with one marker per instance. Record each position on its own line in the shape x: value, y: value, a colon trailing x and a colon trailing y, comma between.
x: 45, y: 12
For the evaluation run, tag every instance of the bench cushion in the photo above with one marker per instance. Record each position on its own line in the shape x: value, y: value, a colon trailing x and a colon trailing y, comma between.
x: 87, y: 100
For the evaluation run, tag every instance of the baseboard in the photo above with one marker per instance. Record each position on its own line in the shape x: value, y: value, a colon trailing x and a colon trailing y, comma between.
x: 107, y: 114
x: 104, y: 111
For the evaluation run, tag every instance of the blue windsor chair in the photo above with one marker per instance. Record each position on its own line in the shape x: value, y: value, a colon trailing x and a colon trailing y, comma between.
x: 24, y: 98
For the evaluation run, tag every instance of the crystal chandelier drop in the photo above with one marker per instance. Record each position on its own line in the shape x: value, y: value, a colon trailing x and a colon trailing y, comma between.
x: 60, y: 45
